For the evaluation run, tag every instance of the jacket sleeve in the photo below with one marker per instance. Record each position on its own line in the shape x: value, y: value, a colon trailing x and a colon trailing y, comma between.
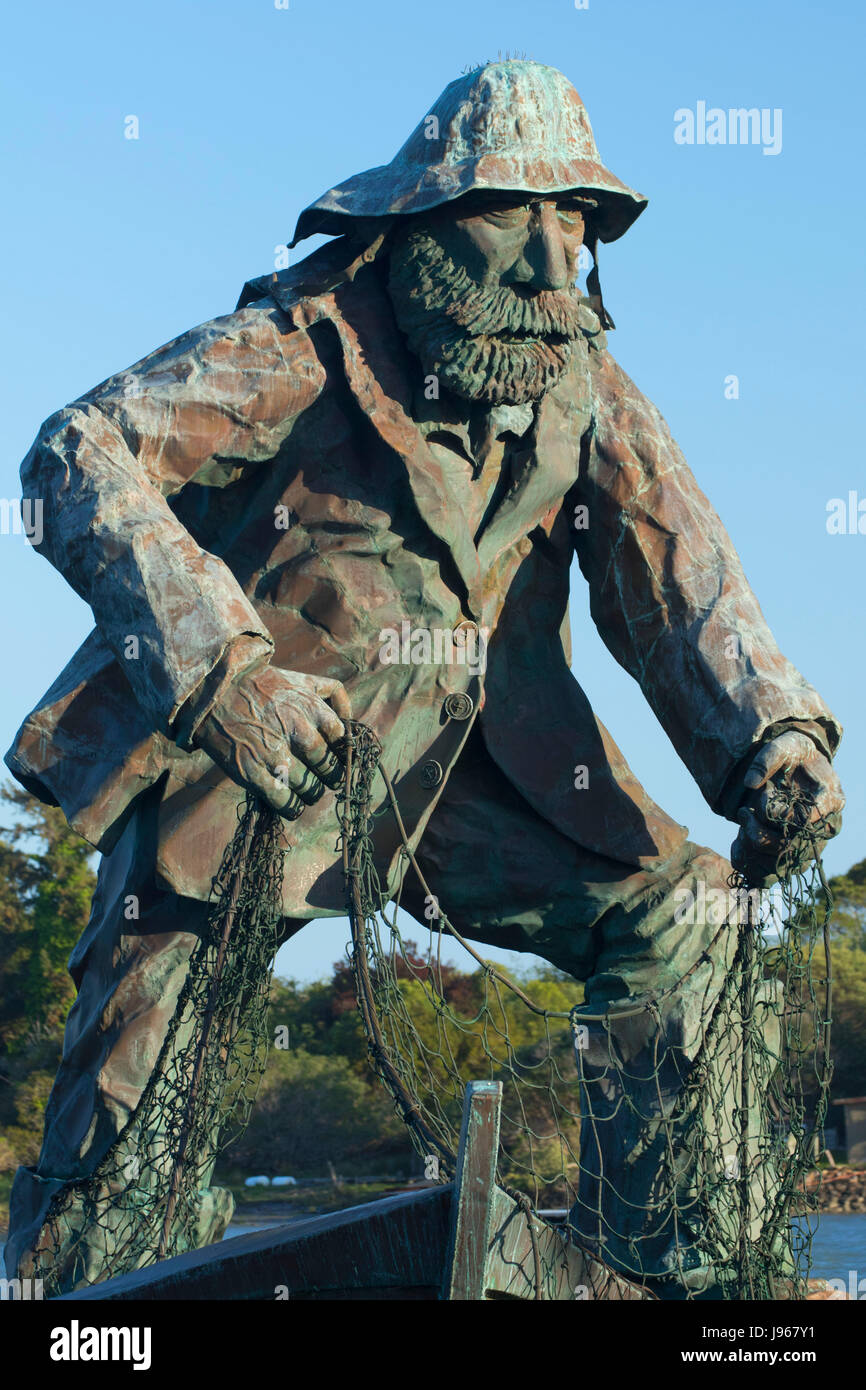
x: 214, y: 402
x: 670, y: 599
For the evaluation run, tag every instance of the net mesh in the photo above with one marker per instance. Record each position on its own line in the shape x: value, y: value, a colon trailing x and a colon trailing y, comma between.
x: 149, y: 1198
x: 676, y: 1130
x: 680, y: 1163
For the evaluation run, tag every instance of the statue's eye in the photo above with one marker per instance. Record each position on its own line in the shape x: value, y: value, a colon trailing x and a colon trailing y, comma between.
x: 570, y: 218
x: 509, y: 216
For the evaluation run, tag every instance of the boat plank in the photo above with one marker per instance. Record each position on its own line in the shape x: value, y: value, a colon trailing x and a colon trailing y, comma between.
x: 392, y: 1248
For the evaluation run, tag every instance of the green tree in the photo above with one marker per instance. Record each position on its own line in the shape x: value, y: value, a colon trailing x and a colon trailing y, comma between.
x: 50, y: 886
x: 313, y: 1109
x: 46, y: 883
x: 848, y: 966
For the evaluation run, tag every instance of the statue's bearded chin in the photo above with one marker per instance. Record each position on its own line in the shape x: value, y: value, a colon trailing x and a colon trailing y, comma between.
x: 493, y: 343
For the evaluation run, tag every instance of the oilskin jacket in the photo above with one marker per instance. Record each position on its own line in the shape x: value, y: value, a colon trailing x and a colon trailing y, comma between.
x: 261, y: 479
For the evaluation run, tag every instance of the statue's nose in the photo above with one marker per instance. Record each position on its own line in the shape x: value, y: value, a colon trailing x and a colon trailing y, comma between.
x: 545, y: 250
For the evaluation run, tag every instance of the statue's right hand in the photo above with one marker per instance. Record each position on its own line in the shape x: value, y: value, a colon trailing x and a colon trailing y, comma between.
x: 276, y: 734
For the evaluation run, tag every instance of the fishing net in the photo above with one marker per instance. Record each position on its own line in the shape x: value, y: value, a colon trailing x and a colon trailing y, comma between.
x: 680, y: 1146
x: 149, y: 1197
x: 676, y: 1130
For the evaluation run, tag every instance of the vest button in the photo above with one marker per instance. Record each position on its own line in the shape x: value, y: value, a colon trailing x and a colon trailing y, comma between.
x: 431, y: 773
x: 458, y: 705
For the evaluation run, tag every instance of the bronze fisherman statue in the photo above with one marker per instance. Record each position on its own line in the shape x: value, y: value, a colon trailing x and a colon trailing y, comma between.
x: 420, y: 423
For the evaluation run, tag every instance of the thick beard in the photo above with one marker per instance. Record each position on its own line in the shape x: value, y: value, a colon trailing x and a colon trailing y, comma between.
x: 484, y: 343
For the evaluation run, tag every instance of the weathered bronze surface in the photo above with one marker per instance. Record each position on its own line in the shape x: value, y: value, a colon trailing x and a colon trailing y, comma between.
x: 411, y: 431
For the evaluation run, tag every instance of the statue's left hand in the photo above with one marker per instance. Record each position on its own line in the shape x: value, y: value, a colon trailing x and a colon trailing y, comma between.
x: 784, y: 767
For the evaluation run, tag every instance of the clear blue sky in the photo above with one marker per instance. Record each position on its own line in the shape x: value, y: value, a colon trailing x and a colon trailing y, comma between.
x: 744, y: 263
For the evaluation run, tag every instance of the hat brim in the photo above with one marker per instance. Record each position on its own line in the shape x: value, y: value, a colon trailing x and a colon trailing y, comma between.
x: 374, y: 193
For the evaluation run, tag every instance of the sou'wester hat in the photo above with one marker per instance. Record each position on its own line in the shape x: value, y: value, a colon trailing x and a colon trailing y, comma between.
x: 509, y: 126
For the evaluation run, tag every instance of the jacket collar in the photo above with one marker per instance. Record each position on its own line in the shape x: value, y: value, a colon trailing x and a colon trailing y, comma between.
x: 443, y: 415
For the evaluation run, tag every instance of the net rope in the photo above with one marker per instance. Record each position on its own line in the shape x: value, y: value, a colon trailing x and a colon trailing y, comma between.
x: 673, y: 1167
x: 674, y: 1162
x: 148, y: 1198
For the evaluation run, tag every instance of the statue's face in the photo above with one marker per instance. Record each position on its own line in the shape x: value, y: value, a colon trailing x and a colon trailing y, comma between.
x: 484, y: 290
x: 533, y: 242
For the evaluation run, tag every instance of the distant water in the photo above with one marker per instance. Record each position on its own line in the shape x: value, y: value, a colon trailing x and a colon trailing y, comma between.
x: 244, y: 1228
x: 839, y: 1246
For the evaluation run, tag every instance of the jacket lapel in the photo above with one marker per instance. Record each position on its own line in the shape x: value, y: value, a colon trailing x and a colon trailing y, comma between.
x: 373, y: 359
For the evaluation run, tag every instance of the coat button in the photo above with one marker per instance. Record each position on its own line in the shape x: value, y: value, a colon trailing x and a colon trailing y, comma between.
x: 431, y: 773
x: 458, y: 705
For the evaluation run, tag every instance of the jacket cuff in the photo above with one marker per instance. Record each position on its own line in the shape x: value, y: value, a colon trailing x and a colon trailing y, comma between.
x: 824, y: 736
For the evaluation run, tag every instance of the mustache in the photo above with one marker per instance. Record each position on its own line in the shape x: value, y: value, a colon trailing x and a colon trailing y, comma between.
x: 502, y: 309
